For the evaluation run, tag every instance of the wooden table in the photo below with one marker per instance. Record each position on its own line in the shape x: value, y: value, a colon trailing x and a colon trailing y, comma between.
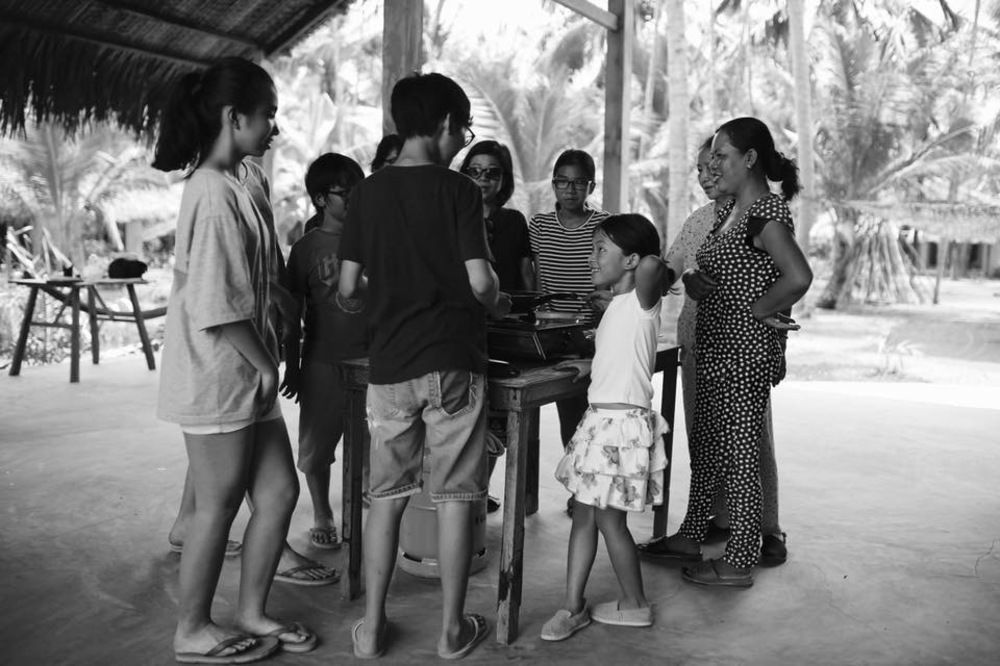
x: 521, y: 397
x: 68, y: 293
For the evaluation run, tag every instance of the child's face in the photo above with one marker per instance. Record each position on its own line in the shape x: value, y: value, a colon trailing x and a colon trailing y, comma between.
x: 608, y: 262
x: 253, y: 133
x: 488, y: 174
x: 572, y: 187
x: 334, y: 202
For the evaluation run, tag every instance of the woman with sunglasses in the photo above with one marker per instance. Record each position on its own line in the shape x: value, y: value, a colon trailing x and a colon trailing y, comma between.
x: 489, y: 164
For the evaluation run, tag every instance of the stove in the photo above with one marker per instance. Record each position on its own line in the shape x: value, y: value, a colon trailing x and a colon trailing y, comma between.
x: 523, y: 337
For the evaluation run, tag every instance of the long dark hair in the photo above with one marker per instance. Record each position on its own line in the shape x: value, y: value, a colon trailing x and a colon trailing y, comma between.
x: 388, y: 144
x: 746, y: 133
x: 191, y: 121
x: 502, y: 154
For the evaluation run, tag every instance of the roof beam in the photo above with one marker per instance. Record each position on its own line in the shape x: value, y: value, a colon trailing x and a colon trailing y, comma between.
x: 591, y: 11
x: 177, y: 22
x: 64, y: 31
x: 303, y: 23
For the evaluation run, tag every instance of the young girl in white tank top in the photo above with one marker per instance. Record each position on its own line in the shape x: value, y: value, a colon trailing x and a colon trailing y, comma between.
x: 615, y: 461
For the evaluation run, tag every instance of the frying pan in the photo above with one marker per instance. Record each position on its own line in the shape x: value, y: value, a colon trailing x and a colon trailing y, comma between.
x: 522, y: 302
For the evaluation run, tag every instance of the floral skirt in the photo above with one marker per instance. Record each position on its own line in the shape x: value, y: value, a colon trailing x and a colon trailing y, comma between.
x: 616, y: 459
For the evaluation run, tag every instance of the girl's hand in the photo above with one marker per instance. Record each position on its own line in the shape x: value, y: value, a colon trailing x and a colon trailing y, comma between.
x: 697, y: 284
x: 290, y: 384
x: 580, y: 367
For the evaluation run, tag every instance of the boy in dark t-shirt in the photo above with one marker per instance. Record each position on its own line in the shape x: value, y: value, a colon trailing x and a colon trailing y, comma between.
x: 416, y: 228
x: 334, y: 331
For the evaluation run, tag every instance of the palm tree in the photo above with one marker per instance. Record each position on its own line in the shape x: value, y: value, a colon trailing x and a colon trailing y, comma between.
x: 65, y: 184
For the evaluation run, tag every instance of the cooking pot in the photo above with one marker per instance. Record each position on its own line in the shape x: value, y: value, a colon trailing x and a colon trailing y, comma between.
x: 522, y: 302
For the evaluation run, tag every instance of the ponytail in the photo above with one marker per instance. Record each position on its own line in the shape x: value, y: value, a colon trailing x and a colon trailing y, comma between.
x: 746, y: 133
x: 178, y: 144
x: 191, y: 121
x: 783, y: 170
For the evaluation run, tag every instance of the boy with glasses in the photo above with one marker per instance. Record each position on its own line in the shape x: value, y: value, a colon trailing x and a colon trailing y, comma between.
x: 334, y: 331
x: 416, y: 229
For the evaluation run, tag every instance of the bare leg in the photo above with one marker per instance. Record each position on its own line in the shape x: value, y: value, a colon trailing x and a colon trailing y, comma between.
x: 274, y: 488
x: 380, y: 545
x: 218, y: 474
x: 318, y: 483
x: 580, y: 558
x: 454, y: 521
x: 621, y: 548
x: 184, y: 512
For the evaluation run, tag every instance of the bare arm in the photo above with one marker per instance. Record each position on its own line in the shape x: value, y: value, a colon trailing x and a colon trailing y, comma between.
x: 351, y: 283
x: 528, y: 273
x: 244, y: 337
x: 485, y: 287
x: 292, y: 343
x: 652, y: 280
x: 796, y: 276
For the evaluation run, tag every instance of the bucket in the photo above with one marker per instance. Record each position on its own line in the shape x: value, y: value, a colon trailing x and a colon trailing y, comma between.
x: 418, y: 534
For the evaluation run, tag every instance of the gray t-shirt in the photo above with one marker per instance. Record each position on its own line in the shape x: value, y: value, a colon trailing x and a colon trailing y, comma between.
x: 221, y: 276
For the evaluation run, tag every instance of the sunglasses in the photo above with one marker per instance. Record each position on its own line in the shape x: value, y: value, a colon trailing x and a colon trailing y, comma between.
x: 489, y: 173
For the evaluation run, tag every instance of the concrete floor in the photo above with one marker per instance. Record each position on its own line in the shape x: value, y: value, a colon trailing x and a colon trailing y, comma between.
x: 889, y: 496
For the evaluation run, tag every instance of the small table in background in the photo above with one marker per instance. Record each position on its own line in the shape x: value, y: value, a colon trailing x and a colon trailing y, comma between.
x: 67, y: 291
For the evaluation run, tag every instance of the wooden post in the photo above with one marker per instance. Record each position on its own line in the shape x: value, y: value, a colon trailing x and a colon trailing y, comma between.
x: 402, y: 53
x: 944, y: 249
x: 618, y: 105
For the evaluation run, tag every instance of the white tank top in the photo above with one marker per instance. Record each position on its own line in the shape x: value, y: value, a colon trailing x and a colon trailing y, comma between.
x: 625, y: 352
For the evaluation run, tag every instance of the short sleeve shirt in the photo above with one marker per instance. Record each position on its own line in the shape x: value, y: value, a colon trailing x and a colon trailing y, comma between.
x: 412, y: 228
x: 507, y: 233
x: 221, y: 276
x: 680, y: 257
x: 331, y: 334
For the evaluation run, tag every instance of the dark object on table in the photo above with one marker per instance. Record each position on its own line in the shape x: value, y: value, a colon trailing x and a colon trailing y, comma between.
x: 522, y: 338
x: 526, y: 301
x: 126, y: 268
x: 501, y: 369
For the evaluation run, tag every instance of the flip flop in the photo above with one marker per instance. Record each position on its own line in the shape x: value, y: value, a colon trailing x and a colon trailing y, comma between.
x: 259, y: 648
x: 233, y: 548
x: 707, y: 573
x: 658, y: 549
x: 482, y: 628
x: 299, y: 576
x: 361, y: 654
x: 324, y: 537
x: 307, y: 645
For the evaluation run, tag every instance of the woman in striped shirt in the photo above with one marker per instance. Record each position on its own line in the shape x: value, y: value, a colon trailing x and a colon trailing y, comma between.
x: 561, y: 242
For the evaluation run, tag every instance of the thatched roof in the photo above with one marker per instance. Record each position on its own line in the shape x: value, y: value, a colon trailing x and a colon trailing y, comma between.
x: 115, y: 59
x: 961, y: 222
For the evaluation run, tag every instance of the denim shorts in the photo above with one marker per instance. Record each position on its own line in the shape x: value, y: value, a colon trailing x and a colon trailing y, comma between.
x: 441, y: 414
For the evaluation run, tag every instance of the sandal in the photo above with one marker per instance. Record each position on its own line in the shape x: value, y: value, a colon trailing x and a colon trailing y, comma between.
x: 308, y: 574
x: 660, y: 549
x: 481, y: 629
x: 307, y: 644
x: 707, y: 573
x: 233, y: 548
x: 255, y: 650
x: 380, y: 642
x: 324, y: 537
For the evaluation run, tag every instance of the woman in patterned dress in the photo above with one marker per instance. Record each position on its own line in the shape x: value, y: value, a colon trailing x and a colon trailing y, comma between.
x: 750, y: 270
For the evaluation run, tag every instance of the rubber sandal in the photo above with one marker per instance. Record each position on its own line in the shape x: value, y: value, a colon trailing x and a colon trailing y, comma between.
x: 260, y: 648
x: 297, y: 647
x: 233, y: 548
x: 324, y: 537
x: 383, y: 635
x: 707, y: 573
x: 482, y: 628
x: 773, y: 551
x: 298, y: 576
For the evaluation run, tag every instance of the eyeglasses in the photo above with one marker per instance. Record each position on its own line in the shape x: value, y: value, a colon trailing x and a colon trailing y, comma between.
x: 343, y: 194
x: 576, y: 183
x: 489, y: 173
x: 468, y: 136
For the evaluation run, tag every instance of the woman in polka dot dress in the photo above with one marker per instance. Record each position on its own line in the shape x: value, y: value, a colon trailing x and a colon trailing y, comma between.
x: 750, y: 271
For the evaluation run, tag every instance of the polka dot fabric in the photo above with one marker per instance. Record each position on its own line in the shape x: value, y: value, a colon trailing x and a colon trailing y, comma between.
x: 737, y: 360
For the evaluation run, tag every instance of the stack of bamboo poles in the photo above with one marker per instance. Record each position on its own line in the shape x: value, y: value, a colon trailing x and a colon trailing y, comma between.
x: 879, y: 271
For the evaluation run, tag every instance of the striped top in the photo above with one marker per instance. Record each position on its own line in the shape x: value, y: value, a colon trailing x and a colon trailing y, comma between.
x: 562, y: 258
